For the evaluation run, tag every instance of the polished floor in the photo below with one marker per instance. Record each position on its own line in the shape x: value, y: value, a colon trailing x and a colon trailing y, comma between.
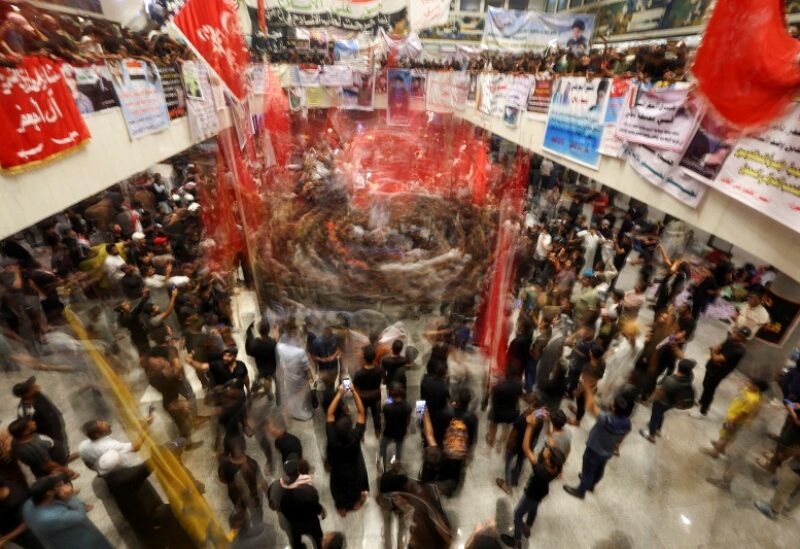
x: 653, y: 496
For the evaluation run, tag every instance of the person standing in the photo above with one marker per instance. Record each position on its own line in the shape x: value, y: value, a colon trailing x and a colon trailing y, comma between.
x: 49, y: 419
x: 395, y: 364
x: 752, y: 314
x: 368, y: 380
x: 348, y: 474
x: 36, y: 451
x: 604, y: 439
x: 58, y: 518
x: 788, y: 481
x: 459, y: 431
x: 675, y: 391
x: 546, y: 467
x: 264, y: 352
x: 12, y: 526
x: 723, y: 360
x: 326, y: 351
x: 742, y: 410
x: 396, y: 419
x: 299, y: 504
x: 504, y: 408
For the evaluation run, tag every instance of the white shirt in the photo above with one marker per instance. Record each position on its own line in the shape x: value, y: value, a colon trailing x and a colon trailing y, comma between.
x: 590, y: 242
x: 113, y: 267
x: 542, y: 246
x: 752, y: 317
x: 91, y: 450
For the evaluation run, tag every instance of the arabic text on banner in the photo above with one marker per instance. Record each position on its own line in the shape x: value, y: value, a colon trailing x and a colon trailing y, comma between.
x: 539, y: 98
x: 140, y: 95
x: 173, y: 90
x: 662, y: 170
x: 461, y: 82
x: 39, y: 120
x: 516, y: 98
x: 609, y: 144
x: 335, y: 76
x: 353, y: 15
x: 423, y: 14
x: 514, y: 30
x: 656, y: 118
x: 575, y: 120
x: 91, y: 87
x: 439, y: 96
x: 763, y: 171
x: 203, y: 122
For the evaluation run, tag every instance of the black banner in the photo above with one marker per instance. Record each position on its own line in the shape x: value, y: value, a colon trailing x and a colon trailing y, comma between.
x: 173, y: 90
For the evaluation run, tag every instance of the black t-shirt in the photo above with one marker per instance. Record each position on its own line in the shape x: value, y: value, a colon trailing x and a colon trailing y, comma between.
x: 300, y: 504
x: 220, y: 374
x: 666, y: 358
x: 733, y: 353
x: 539, y: 483
x: 392, y: 364
x: 392, y: 481
x: 395, y: 417
x: 688, y: 325
x: 11, y: 508
x: 288, y: 444
x: 435, y: 394
x: 505, y: 401
x: 132, y: 285
x: 263, y: 350
x: 48, y: 418
x: 620, y: 257
x: 368, y: 382
x: 34, y: 453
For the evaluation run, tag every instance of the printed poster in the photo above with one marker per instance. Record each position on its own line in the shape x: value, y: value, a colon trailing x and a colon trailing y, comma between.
x: 661, y: 168
x: 91, y: 87
x: 763, y: 171
x: 257, y: 75
x: 516, y: 31
x: 335, y: 76
x: 657, y: 118
x: 440, y: 96
x: 460, y: 81
x: 398, y: 105
x: 203, y: 121
x: 141, y: 96
x: 516, y: 98
x: 39, y: 120
x: 315, y: 97
x: 539, y: 98
x: 424, y: 14
x: 359, y: 96
x: 418, y: 78
x: 609, y: 144
x: 708, y: 149
x: 472, y: 90
x: 488, y: 84
x: 173, y: 90
x: 575, y: 120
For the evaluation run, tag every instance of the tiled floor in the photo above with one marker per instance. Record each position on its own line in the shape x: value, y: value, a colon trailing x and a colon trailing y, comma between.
x: 652, y: 496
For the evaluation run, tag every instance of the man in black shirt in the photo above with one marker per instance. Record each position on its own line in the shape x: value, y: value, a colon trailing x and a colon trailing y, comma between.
x: 48, y: 418
x: 128, y: 318
x: 546, y: 466
x: 368, y: 382
x: 505, y: 406
x: 433, y: 390
x: 131, y: 282
x: 396, y: 418
x: 395, y: 364
x: 299, y: 504
x: 287, y: 444
x: 12, y: 526
x: 34, y: 450
x: 724, y: 359
x: 224, y: 370
x: 263, y: 351
x: 459, y: 430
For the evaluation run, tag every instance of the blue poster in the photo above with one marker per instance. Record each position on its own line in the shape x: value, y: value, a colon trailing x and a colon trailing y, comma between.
x: 576, y: 118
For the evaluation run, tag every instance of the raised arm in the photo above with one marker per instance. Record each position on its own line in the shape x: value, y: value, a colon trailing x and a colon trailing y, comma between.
x: 526, y: 440
x: 163, y: 316
x: 361, y: 418
x: 427, y: 427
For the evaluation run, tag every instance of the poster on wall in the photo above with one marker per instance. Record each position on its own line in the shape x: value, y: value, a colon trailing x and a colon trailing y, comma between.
x: 440, y: 95
x: 203, y: 121
x: 763, y: 171
x: 707, y: 150
x: 257, y: 76
x: 353, y: 15
x: 424, y: 14
x: 575, y: 119
x: 39, y: 120
x: 516, y: 98
x: 515, y: 31
x: 472, y: 88
x: 335, y: 76
x: 91, y: 87
x: 359, y: 96
x: 398, y: 97
x: 460, y: 81
x: 539, y: 98
x: 418, y: 83
x: 609, y: 144
x: 173, y: 90
x: 141, y: 97
x: 661, y: 168
x: 657, y: 118
x: 488, y: 84
x: 783, y: 316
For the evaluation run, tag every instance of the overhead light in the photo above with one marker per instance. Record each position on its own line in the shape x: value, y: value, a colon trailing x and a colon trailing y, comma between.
x: 685, y: 520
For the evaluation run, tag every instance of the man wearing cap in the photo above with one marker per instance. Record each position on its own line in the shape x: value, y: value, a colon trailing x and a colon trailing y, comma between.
x: 49, y: 420
x: 58, y: 518
x: 723, y: 360
x: 675, y: 391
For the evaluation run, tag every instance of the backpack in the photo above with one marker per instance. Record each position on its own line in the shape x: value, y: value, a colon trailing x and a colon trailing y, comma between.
x: 684, y: 397
x: 456, y: 439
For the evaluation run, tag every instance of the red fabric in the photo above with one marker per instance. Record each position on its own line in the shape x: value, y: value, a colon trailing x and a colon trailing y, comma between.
x: 747, y: 63
x: 262, y: 17
x: 39, y: 118
x: 212, y: 26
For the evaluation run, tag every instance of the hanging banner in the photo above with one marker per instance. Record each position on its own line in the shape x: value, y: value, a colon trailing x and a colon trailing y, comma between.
x: 212, y: 27
x: 335, y: 76
x: 418, y: 78
x: 472, y: 90
x: 393, y: 16
x: 707, y: 150
x: 424, y: 14
x: 460, y: 81
x: 355, y: 15
x: 314, y: 98
x: 203, y: 122
x: 173, y: 90
x: 488, y: 85
x: 783, y: 317
x: 516, y: 98
x: 575, y: 120
x: 658, y: 118
x: 516, y: 31
x: 539, y: 98
x: 609, y: 144
x: 763, y: 171
x: 662, y: 170
x: 141, y: 97
x: 359, y: 96
x: 39, y: 120
x: 91, y: 87
x: 257, y: 76
x: 439, y: 96
x: 307, y: 78
x: 398, y: 106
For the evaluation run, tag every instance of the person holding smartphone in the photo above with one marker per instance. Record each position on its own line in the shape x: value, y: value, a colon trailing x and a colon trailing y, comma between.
x: 348, y: 473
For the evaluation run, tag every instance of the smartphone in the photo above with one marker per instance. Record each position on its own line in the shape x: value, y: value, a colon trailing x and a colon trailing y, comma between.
x: 389, y: 400
x: 540, y: 413
x: 346, y: 384
x: 420, y: 408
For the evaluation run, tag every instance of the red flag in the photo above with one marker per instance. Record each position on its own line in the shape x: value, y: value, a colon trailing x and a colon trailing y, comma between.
x: 212, y: 27
x: 749, y: 81
x: 39, y: 119
x: 262, y: 17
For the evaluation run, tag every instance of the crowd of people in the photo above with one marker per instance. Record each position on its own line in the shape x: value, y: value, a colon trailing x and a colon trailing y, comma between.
x: 166, y: 318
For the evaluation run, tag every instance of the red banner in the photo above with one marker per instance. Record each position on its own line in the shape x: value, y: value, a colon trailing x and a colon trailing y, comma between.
x: 39, y: 120
x: 212, y: 27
